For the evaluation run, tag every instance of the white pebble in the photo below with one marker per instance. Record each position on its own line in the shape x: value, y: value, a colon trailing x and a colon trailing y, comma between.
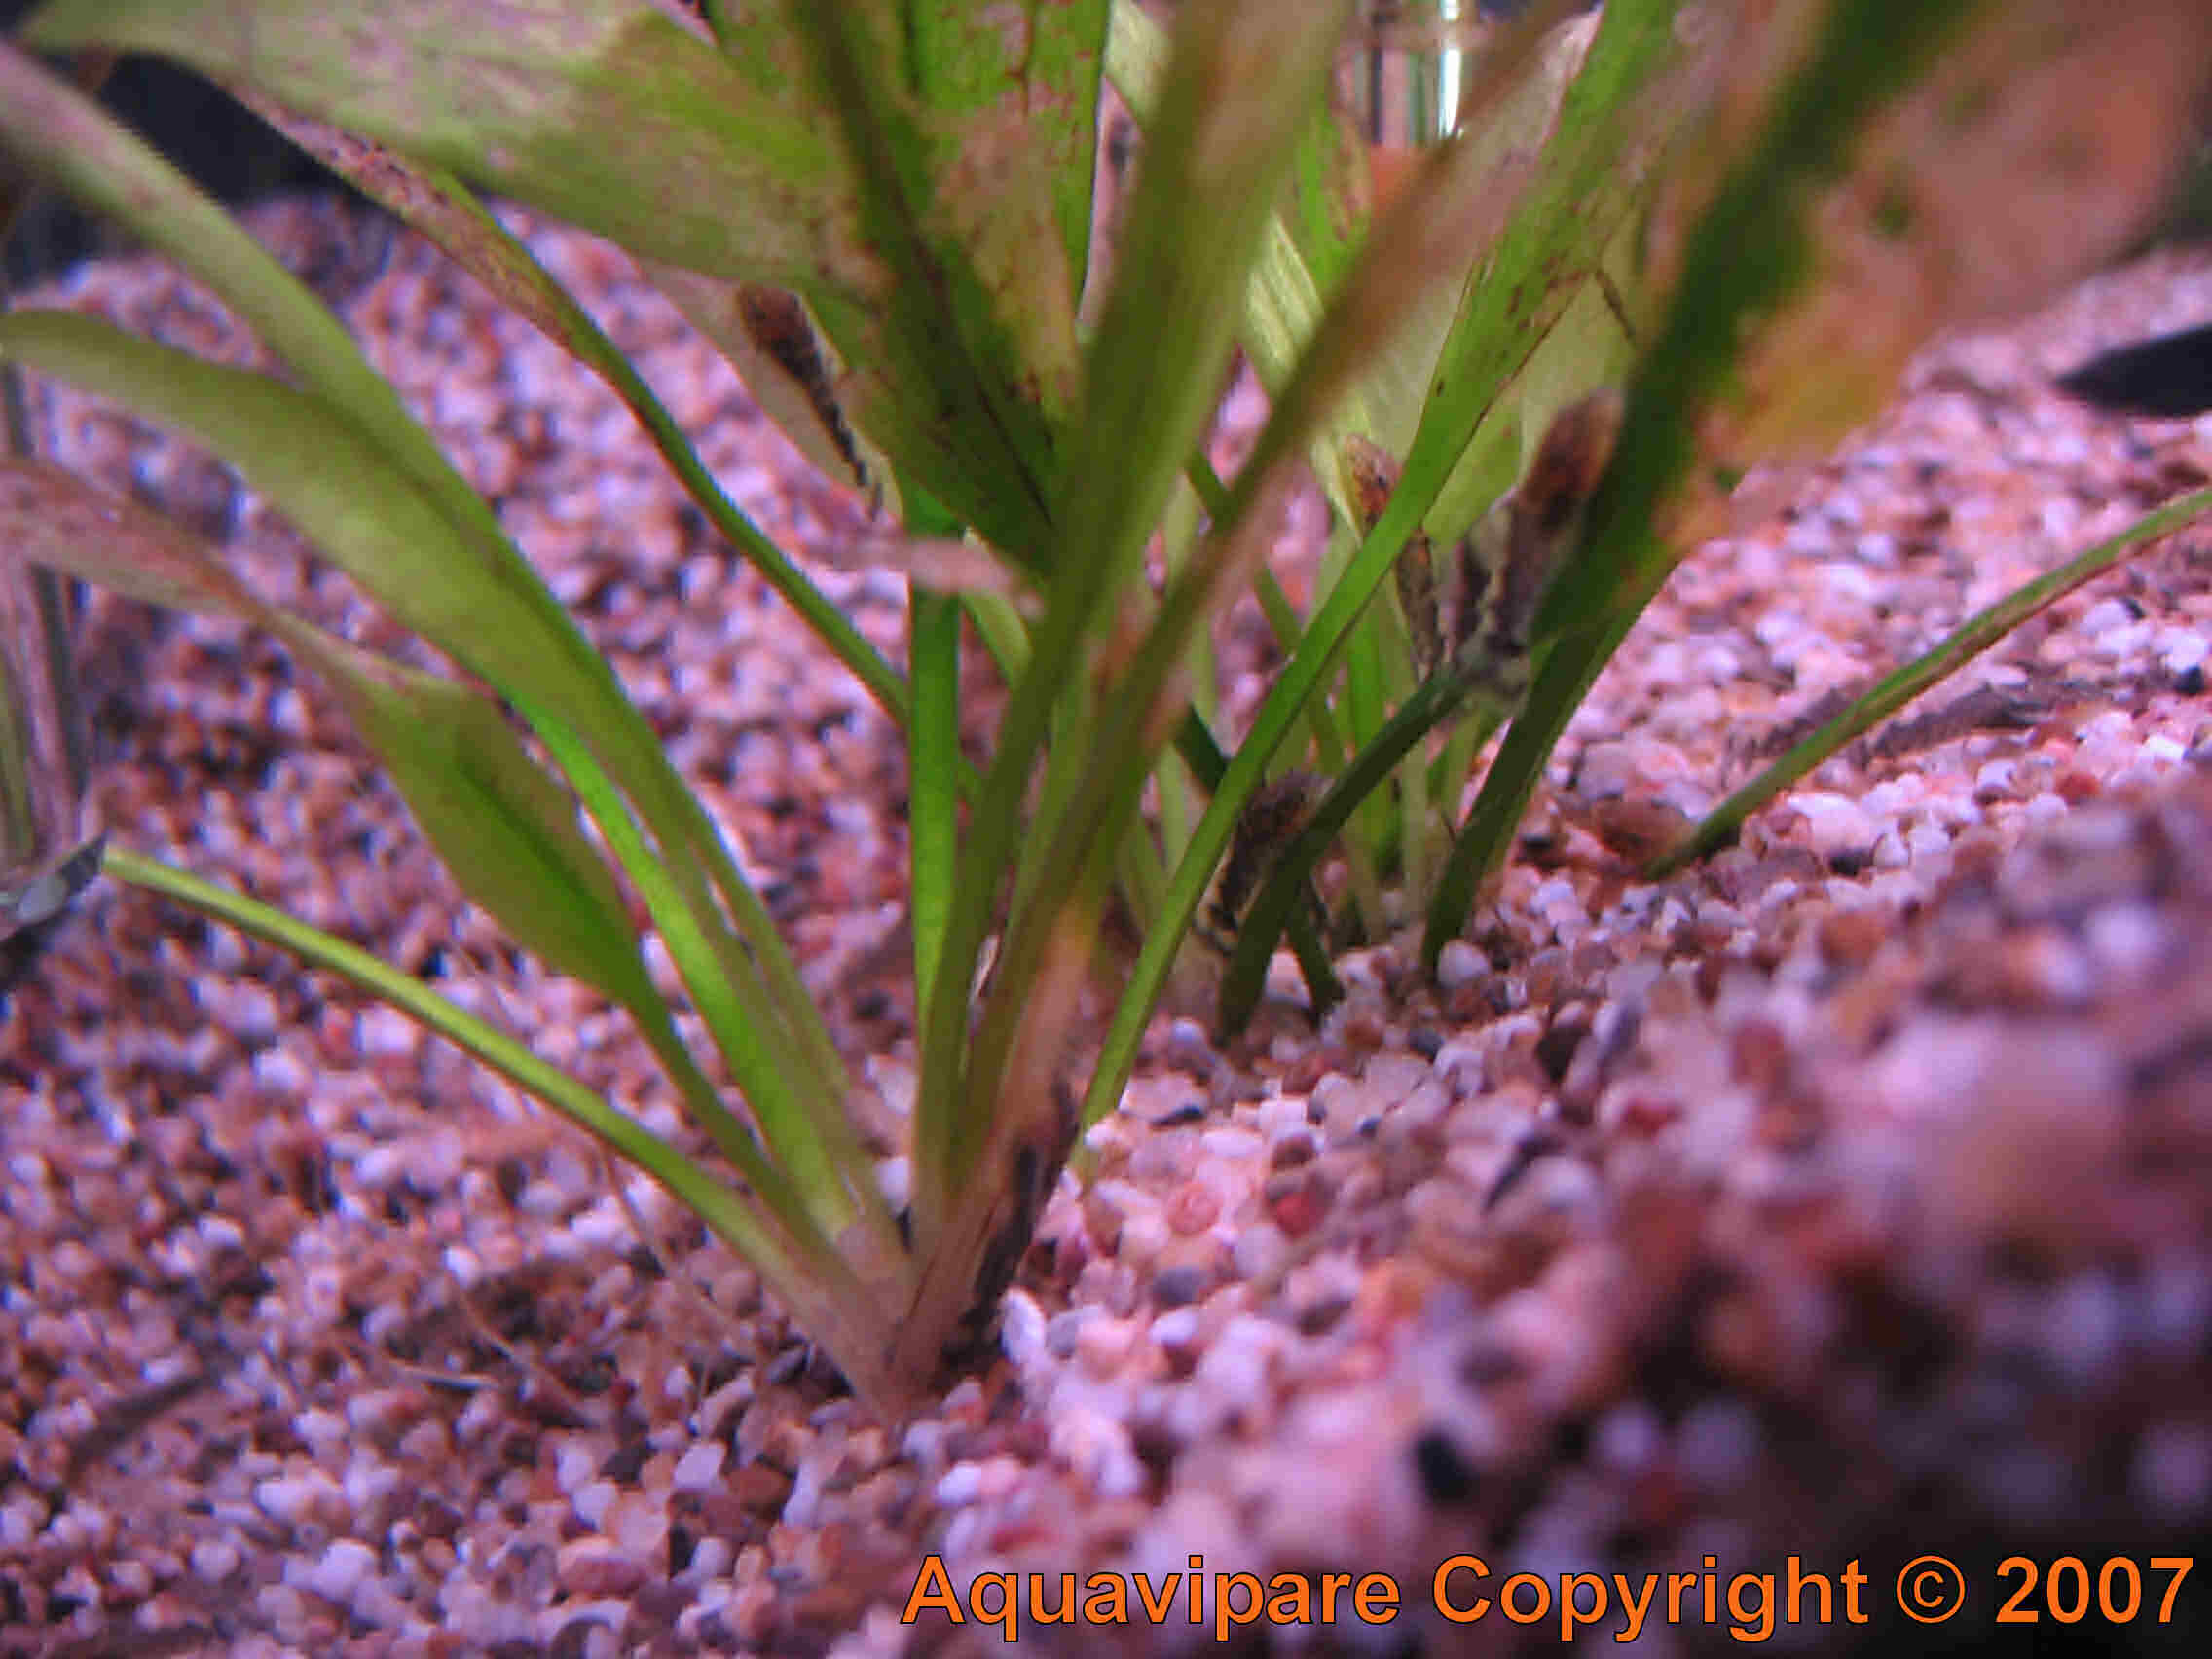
x: 1996, y: 780
x: 1459, y: 964
x: 279, y: 1072
x: 1927, y: 841
x: 639, y: 1523
x: 1556, y: 902
x: 593, y: 1500
x: 960, y: 1486
x: 1238, y: 1370
x: 1097, y: 1450
x: 574, y: 1462
x: 385, y: 1034
x: 1176, y: 1328
x: 894, y: 1180
x: 289, y: 1499
x: 700, y: 1465
x: 1838, y: 827
x: 337, y: 1573
x: 320, y: 1429
x: 1259, y: 1250
x: 1231, y: 1143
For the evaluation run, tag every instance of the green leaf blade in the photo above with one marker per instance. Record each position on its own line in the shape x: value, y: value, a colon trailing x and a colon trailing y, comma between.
x: 470, y: 595
x: 68, y: 137
x: 504, y: 828
x: 507, y: 831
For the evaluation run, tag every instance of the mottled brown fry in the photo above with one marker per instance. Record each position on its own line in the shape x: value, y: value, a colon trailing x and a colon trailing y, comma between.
x: 777, y: 322
x: 1576, y: 448
x: 1374, y: 475
x: 1270, y: 821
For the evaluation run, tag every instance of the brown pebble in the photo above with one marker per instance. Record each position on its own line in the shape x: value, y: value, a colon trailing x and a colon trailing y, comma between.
x: 436, y: 1518
x: 2033, y: 968
x: 1555, y: 1048
x: 1739, y: 1341
x: 1193, y: 1208
x: 1710, y: 974
x: 1849, y: 939
x: 2075, y: 786
x: 1472, y: 1003
x: 1759, y: 1055
x: 723, y: 1513
x: 762, y: 1488
x: 1639, y: 829
x: 1546, y: 977
x: 1976, y: 856
x: 1291, y: 1150
x: 593, y: 1568
x: 1363, y: 1031
x: 1103, y: 1222
x: 1296, y: 1200
x: 1641, y: 1112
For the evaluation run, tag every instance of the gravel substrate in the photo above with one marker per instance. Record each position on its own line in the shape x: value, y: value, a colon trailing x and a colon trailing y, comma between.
x: 1845, y: 1198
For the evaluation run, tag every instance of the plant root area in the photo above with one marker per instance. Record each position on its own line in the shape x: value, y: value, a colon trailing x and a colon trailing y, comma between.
x: 1841, y: 1202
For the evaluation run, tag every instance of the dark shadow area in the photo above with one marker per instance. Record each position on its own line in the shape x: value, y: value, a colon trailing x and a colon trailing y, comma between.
x: 221, y: 144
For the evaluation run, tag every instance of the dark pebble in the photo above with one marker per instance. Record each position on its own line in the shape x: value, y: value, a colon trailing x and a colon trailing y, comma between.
x: 1446, y: 1477
x: 1180, y: 1285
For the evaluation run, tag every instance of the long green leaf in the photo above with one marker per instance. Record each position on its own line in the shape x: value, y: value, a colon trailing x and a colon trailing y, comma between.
x: 616, y: 117
x: 442, y: 207
x: 62, y: 134
x: 820, y: 1178
x: 472, y: 596
x: 504, y: 828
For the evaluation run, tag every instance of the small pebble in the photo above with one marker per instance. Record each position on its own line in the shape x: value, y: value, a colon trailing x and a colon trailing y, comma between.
x: 700, y: 1466
x: 592, y: 1567
x: 1459, y: 964
x: 1179, y: 1286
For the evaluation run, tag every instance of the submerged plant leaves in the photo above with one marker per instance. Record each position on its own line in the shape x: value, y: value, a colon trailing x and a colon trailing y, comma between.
x: 507, y: 831
x: 920, y: 175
